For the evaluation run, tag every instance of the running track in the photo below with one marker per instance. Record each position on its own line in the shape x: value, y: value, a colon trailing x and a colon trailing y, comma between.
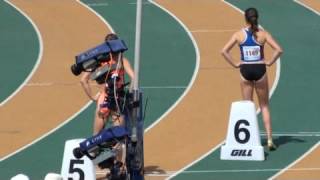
x: 209, y: 34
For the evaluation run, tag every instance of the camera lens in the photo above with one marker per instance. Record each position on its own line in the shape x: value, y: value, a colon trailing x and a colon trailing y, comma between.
x: 77, y: 153
x: 76, y: 70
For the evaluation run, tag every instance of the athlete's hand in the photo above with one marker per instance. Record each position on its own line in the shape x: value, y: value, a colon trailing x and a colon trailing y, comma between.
x: 268, y: 63
x: 237, y: 65
x: 131, y: 87
x: 96, y: 97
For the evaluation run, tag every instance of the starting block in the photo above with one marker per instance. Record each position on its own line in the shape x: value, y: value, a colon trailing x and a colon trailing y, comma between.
x: 243, y: 137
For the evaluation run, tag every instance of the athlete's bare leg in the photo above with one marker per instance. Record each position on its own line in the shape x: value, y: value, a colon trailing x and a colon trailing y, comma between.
x: 100, y: 117
x: 246, y: 89
x: 262, y: 90
x: 99, y: 122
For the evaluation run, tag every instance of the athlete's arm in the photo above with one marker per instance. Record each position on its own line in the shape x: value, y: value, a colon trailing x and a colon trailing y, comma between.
x: 276, y: 48
x: 129, y: 71
x: 226, y: 51
x: 85, y: 85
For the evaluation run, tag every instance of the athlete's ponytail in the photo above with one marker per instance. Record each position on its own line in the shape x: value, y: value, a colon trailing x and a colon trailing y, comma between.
x: 111, y: 36
x: 251, y: 15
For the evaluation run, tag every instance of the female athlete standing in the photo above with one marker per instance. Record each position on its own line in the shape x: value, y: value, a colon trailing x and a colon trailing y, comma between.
x: 251, y: 41
x: 117, y: 67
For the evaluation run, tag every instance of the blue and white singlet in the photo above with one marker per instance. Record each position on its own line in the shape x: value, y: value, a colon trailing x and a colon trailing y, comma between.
x: 251, y: 50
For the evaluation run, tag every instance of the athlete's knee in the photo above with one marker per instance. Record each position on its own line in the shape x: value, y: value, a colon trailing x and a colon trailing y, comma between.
x: 264, y: 107
x: 263, y: 100
x: 117, y: 119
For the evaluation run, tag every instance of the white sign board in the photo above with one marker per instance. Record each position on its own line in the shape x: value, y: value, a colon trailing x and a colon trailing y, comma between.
x: 73, y: 168
x: 243, y: 138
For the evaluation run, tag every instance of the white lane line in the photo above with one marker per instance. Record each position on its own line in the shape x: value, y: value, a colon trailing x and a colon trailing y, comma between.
x: 164, y: 87
x: 240, y: 170
x: 97, y: 4
x: 175, y: 173
x: 44, y: 84
x: 144, y: 3
x: 213, y: 30
x: 288, y: 168
x: 47, y: 134
x: 195, y: 73
x: 106, y: 4
x: 98, y: 15
x: 169, y: 173
x: 293, y: 134
x: 314, y: 132
x: 39, y: 58
x: 276, y: 79
x: 216, y: 147
x: 306, y: 6
x: 74, y: 115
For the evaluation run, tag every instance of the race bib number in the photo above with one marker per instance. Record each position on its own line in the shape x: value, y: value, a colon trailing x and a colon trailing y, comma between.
x: 251, y: 53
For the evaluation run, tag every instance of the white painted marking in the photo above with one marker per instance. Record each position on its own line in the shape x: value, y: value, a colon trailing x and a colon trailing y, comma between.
x: 39, y: 58
x: 195, y: 73
x: 308, y: 7
x: 170, y: 173
x: 97, y: 4
x: 144, y: 3
x: 195, y: 161
x: 298, y: 134
x: 47, y: 134
x: 289, y: 167
x: 213, y: 30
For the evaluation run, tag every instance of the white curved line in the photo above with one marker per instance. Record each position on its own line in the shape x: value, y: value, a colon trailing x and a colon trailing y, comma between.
x: 47, y: 134
x: 98, y: 15
x: 35, y: 67
x: 210, y: 171
x: 276, y: 78
x: 70, y: 118
x: 195, y: 73
x: 308, y: 7
x: 317, y: 144
x: 195, y: 161
x: 217, y: 146
x: 296, y: 161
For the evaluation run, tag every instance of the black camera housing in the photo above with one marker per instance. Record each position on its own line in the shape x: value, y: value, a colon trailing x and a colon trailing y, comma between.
x: 91, y: 59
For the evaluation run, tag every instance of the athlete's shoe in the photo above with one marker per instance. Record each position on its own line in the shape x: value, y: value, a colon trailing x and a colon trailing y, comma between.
x: 271, y: 146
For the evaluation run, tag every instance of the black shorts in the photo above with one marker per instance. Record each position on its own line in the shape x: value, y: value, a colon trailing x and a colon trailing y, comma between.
x: 252, y: 72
